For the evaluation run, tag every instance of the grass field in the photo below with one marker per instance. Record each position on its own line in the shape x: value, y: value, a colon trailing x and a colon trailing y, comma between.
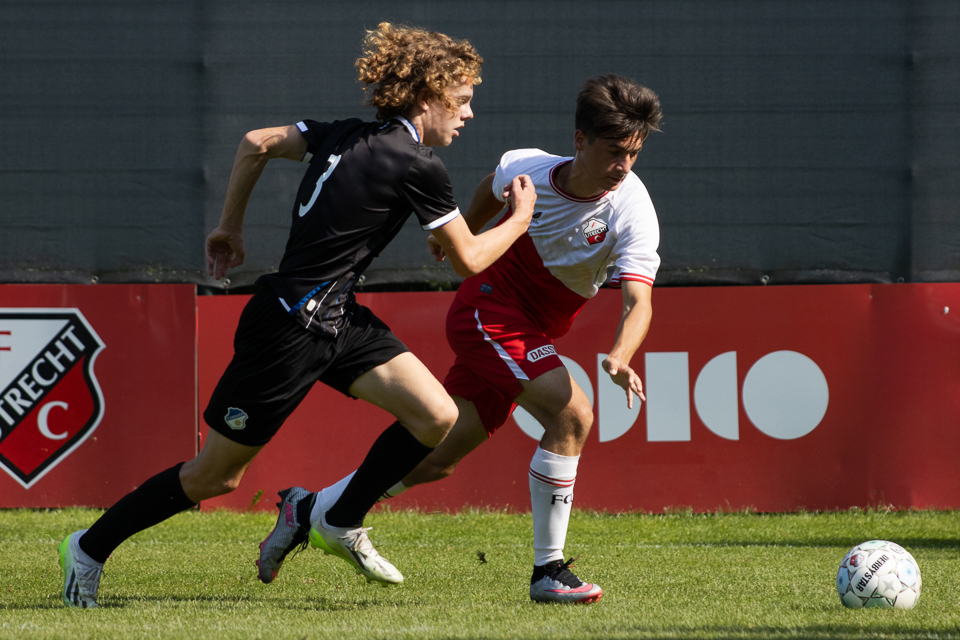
x: 677, y: 575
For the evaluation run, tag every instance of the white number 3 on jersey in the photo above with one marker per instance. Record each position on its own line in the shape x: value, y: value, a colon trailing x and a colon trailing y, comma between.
x: 332, y: 162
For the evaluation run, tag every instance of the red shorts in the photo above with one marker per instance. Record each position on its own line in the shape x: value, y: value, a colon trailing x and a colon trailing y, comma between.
x: 494, y: 353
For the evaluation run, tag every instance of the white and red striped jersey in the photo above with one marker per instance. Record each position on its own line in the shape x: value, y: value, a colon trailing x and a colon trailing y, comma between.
x: 552, y: 270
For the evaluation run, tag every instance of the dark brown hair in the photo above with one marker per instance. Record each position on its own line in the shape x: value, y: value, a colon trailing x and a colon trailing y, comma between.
x: 402, y: 61
x: 616, y: 107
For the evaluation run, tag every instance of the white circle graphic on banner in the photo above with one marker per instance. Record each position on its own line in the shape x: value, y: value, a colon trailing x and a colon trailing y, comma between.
x: 785, y: 395
x: 529, y: 425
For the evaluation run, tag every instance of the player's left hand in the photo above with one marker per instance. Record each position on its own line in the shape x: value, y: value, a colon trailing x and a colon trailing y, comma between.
x: 224, y: 250
x: 627, y: 378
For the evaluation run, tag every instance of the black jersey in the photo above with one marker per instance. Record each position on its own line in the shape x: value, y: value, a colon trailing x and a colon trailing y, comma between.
x: 364, y: 181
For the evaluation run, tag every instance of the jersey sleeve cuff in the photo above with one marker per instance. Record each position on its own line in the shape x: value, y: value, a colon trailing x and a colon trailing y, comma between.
x: 634, y: 277
x: 439, y: 222
x: 307, y: 157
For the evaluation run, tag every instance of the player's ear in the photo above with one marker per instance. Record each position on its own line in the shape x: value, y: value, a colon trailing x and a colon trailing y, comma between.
x: 424, y: 99
x: 580, y: 140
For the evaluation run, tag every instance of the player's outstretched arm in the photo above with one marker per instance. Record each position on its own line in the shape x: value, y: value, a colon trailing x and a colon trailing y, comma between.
x: 483, y: 208
x: 484, y: 205
x: 634, y: 324
x: 224, y: 246
x: 470, y: 254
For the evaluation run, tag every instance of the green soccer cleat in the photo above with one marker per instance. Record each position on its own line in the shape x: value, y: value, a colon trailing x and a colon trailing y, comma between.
x: 80, y: 580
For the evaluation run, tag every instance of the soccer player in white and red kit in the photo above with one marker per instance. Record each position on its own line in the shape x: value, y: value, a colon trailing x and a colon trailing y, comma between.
x: 591, y: 212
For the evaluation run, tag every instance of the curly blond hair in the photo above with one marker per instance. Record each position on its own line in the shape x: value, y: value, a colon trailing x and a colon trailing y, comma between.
x: 402, y: 61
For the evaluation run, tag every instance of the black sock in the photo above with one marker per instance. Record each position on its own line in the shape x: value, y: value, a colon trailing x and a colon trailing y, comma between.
x: 151, y: 503
x: 394, y: 454
x: 304, y: 507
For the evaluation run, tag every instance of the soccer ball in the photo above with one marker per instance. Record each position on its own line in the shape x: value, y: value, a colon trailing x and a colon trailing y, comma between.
x: 878, y: 574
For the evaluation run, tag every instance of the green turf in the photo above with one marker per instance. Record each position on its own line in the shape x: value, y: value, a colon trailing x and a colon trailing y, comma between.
x: 678, y: 575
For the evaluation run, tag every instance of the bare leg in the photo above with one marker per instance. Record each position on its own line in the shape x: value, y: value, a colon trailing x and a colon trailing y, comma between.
x: 561, y: 407
x: 424, y: 412
x: 215, y: 471
x: 405, y: 388
x: 556, y: 401
x: 467, y: 434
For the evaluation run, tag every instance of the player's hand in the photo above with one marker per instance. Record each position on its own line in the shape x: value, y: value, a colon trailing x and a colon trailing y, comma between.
x: 224, y: 250
x: 627, y: 378
x: 435, y: 249
x: 520, y: 195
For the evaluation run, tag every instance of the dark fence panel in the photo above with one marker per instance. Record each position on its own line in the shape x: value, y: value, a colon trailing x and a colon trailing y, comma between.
x: 804, y: 140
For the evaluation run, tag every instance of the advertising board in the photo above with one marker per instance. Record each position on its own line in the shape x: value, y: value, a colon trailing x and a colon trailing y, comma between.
x: 766, y: 398
x: 97, y: 388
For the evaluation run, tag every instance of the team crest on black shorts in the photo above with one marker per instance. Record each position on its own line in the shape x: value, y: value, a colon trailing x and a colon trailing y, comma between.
x: 50, y: 400
x: 236, y: 419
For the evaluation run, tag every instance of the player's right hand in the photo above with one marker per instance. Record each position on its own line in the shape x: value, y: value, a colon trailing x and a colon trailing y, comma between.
x: 520, y: 195
x: 436, y: 250
x: 627, y: 378
x: 224, y: 250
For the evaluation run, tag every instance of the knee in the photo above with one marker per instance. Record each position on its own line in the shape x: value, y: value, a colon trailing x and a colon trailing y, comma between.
x: 584, y: 416
x: 435, y: 427
x: 204, y: 486
x: 447, y: 417
x: 579, y: 421
x: 225, y: 485
x: 219, y: 487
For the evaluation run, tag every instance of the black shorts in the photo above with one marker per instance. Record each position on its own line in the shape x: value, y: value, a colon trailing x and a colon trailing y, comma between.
x: 276, y: 362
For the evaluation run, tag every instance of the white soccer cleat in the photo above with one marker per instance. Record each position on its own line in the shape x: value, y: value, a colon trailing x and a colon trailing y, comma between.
x: 554, y: 582
x: 81, y: 581
x: 355, y: 547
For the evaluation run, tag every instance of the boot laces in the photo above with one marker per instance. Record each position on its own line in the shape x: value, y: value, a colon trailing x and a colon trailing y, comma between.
x: 88, y: 576
x: 563, y: 574
x: 357, y: 540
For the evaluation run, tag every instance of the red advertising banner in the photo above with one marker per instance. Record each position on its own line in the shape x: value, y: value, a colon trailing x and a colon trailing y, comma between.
x: 769, y: 398
x: 97, y: 388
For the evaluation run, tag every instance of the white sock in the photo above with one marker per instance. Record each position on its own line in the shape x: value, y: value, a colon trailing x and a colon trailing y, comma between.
x: 329, y: 496
x: 551, y: 498
x: 393, y: 491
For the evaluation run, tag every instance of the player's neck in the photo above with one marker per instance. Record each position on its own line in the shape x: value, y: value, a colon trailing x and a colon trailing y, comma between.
x: 415, y: 118
x: 575, y: 180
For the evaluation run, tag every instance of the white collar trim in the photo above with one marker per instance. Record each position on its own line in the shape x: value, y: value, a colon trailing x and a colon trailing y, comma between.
x: 409, y: 125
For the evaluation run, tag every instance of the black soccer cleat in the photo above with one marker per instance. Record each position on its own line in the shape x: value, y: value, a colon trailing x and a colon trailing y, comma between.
x: 287, y: 535
x: 554, y: 582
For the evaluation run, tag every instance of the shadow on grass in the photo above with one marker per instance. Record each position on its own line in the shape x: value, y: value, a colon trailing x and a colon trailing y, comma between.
x: 813, y: 632
x: 319, y: 603
x: 50, y: 604
x: 332, y: 604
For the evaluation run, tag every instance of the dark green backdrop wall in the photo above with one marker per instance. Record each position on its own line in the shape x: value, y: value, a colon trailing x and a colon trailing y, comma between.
x: 803, y: 140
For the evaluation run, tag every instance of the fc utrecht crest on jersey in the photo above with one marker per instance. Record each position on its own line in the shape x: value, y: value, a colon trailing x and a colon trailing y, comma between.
x: 50, y: 400
x: 595, y: 231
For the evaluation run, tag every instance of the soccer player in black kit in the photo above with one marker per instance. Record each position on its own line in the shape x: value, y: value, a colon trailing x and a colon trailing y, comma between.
x: 363, y: 181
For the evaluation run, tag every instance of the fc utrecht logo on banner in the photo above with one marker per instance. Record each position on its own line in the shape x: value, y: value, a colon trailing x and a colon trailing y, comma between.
x: 50, y: 400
